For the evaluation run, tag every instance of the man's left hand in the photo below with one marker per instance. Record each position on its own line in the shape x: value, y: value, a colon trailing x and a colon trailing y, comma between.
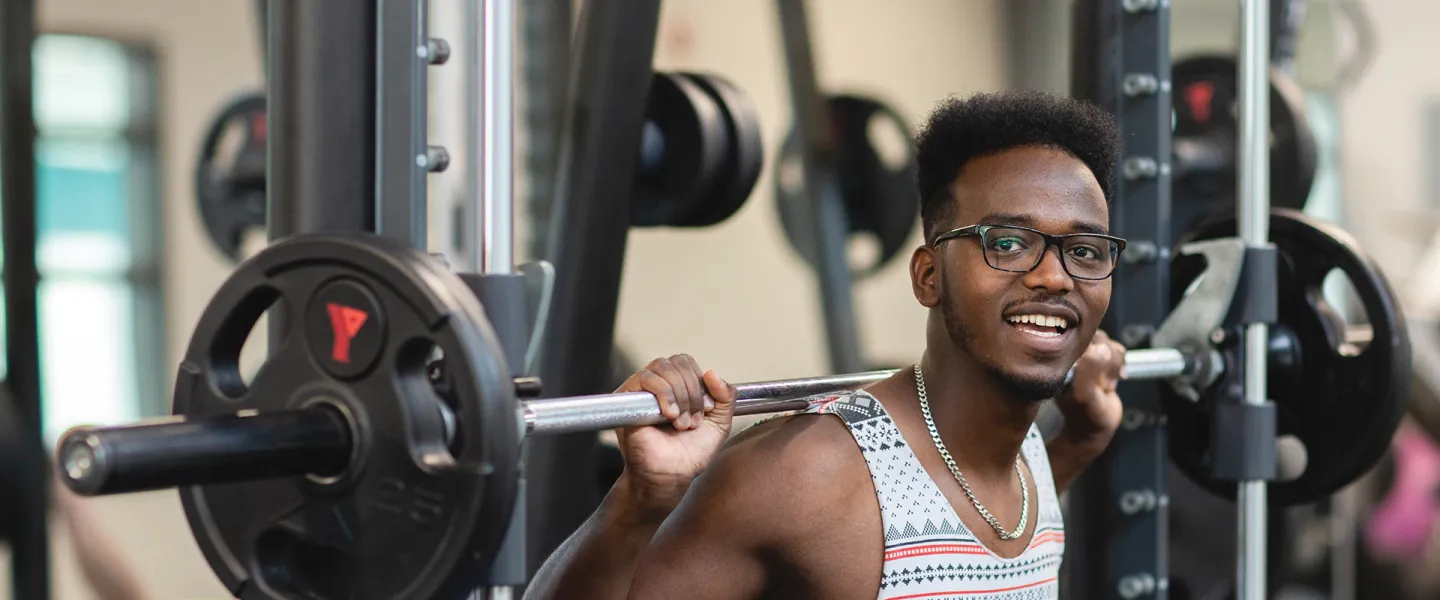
x: 1090, y: 404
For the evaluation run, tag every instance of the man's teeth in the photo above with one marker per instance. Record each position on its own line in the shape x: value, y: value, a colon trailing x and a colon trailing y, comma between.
x: 1042, y: 320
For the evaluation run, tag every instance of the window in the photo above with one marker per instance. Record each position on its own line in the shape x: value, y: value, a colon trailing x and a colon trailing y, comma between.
x: 101, y: 342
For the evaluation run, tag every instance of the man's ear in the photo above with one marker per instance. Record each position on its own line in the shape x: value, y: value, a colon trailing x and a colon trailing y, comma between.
x: 925, y: 276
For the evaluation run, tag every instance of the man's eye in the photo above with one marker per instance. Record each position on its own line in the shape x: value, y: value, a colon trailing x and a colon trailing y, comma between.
x: 1008, y: 245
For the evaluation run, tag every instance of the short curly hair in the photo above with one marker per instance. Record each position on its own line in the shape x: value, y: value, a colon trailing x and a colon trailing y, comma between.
x: 962, y: 129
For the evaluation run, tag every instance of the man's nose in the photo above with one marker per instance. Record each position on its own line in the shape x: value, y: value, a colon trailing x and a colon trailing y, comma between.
x: 1050, y: 274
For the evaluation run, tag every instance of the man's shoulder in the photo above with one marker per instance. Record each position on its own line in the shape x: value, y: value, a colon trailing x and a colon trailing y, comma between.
x: 795, y: 440
x: 811, y: 454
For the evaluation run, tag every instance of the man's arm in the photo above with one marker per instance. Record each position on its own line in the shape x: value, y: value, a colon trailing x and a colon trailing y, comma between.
x: 599, y: 559
x: 710, y: 548
x: 753, y: 514
x: 1071, y: 453
x: 753, y: 503
x: 1092, y: 410
x: 704, y: 546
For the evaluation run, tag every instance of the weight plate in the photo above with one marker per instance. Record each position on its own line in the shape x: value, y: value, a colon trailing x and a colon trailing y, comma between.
x: 230, y: 188
x: 1205, y: 141
x: 414, y: 515
x: 879, y: 198
x: 1344, y: 394
x: 682, y: 151
x: 743, y: 158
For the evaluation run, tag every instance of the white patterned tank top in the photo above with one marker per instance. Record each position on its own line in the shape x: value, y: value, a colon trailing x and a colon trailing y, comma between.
x: 929, y: 553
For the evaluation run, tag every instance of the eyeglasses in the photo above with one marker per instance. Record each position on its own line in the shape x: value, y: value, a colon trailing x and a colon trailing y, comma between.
x: 1015, y: 249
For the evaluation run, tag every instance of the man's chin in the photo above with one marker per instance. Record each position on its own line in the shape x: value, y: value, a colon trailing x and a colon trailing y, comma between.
x: 1033, y: 389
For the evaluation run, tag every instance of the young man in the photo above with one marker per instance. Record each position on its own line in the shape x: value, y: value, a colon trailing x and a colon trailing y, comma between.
x: 934, y: 483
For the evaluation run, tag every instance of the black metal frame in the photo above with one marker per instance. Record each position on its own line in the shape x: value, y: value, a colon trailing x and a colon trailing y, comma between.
x: 320, y: 170
x: 321, y: 119
x: 610, y: 76
x: 1121, y: 60
x: 401, y: 148
x: 821, y: 184
x: 30, y: 546
x: 545, y: 40
x: 1286, y: 17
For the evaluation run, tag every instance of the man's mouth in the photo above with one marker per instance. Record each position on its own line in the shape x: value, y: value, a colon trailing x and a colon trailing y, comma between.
x: 1044, y: 326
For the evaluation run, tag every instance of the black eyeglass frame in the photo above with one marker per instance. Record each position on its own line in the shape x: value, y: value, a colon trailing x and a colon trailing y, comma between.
x: 1050, y: 240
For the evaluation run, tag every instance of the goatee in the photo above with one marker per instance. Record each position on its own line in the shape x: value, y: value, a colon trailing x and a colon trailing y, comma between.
x: 1022, y: 390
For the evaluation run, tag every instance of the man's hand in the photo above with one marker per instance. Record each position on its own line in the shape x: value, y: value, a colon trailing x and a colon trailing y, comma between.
x: 1091, y: 407
x: 661, y: 461
x: 1090, y: 404
x: 600, y: 559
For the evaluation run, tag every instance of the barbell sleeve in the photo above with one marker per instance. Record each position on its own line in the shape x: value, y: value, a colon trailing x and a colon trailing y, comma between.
x: 1156, y: 363
x: 180, y: 452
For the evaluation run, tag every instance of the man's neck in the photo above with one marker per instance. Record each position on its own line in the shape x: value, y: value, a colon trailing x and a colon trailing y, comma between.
x: 980, y: 422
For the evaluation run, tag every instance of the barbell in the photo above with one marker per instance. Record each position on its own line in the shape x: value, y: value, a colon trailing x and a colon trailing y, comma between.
x: 318, y: 439
x: 341, y: 471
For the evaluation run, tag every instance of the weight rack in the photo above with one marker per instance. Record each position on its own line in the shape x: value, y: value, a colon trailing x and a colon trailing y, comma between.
x: 1121, y: 61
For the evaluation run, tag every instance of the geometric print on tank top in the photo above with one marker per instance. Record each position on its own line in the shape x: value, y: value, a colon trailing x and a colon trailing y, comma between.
x: 929, y: 553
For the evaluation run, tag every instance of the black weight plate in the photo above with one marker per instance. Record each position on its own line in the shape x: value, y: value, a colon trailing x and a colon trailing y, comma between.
x: 743, y: 158
x: 231, y: 193
x: 409, y: 517
x: 880, y: 200
x: 1204, y: 165
x: 1345, y: 396
x: 682, y: 150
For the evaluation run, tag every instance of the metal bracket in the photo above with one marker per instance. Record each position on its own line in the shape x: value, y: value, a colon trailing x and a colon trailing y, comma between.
x: 539, y: 289
x: 1201, y: 311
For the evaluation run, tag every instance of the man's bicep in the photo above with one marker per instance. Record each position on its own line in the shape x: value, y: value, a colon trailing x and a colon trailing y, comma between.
x: 710, y: 547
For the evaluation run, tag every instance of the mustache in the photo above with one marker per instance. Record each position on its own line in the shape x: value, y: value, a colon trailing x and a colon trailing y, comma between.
x: 1045, y: 299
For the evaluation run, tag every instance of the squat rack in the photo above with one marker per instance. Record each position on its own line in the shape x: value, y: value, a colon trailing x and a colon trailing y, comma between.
x: 1121, y: 60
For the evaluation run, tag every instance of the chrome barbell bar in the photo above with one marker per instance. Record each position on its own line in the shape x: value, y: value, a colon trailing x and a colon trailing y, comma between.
x: 632, y: 409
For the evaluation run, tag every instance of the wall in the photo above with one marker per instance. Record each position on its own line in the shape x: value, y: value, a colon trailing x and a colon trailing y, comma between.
x: 735, y: 296
x: 1389, y: 158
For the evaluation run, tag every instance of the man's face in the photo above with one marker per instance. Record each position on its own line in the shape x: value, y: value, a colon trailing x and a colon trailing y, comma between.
x: 1007, y: 320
